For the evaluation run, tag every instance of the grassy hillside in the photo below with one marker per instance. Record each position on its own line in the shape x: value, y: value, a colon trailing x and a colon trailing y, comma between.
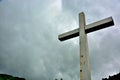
x: 9, y: 77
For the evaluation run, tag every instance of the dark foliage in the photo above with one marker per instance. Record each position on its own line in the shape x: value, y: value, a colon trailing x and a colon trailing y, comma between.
x: 114, y: 77
x: 9, y: 77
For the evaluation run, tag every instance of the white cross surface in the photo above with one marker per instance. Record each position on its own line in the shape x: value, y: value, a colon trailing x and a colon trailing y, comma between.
x: 82, y: 31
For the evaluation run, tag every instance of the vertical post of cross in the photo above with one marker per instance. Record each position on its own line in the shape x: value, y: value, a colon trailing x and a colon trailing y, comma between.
x: 84, y: 56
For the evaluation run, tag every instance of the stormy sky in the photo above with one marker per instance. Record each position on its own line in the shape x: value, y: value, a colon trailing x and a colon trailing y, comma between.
x: 29, y: 45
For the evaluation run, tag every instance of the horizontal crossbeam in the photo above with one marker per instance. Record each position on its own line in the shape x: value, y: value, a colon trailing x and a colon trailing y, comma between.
x: 89, y: 28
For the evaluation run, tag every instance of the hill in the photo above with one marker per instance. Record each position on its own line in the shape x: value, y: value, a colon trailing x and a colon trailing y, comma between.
x: 9, y: 77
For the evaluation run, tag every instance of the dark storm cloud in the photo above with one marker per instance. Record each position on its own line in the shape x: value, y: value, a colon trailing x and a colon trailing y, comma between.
x: 24, y: 40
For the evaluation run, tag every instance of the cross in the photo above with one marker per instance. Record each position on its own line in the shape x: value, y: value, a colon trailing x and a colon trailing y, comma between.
x: 82, y: 31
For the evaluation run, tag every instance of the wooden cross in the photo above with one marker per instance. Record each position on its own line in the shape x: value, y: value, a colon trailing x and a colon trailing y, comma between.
x: 82, y: 31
